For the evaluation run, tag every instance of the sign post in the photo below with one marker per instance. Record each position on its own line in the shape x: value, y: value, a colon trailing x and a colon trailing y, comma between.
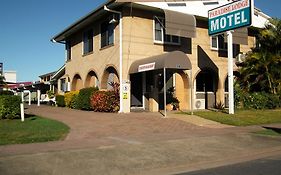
x: 226, y: 18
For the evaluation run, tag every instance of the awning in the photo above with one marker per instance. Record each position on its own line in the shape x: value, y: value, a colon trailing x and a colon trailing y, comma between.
x: 171, y: 60
x: 180, y: 24
x: 240, y: 36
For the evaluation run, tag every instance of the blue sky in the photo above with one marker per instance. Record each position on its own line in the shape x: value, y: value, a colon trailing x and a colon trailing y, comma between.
x: 26, y: 27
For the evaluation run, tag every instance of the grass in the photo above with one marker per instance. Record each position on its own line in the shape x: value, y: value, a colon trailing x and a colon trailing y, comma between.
x: 33, y: 129
x: 243, y: 117
x: 267, y: 132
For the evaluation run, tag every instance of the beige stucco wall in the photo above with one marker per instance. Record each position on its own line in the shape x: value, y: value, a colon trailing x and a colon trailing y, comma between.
x: 138, y: 43
x: 98, y: 60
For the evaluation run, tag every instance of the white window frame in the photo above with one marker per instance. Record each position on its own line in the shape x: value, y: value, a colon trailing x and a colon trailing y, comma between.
x: 163, y: 34
x: 211, y: 42
x: 217, y: 48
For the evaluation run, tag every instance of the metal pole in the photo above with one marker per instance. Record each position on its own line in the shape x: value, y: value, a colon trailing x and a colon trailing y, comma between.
x: 230, y: 73
x: 165, y: 89
x: 22, y: 112
x: 191, y: 88
x: 143, y: 89
x: 22, y: 96
x: 38, y: 97
x: 29, y: 98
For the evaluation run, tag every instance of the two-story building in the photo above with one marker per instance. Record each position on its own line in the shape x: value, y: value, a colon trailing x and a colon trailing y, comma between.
x: 144, y: 44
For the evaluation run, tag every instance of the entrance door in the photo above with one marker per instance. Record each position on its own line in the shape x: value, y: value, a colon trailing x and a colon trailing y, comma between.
x: 136, y: 90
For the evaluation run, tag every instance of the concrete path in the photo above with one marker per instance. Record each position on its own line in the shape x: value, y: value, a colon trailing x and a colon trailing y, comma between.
x: 136, y: 143
x: 198, y: 121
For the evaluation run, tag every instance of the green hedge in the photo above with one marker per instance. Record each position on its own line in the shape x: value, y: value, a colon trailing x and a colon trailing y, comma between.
x: 256, y: 100
x: 60, y: 100
x: 84, y: 97
x: 9, y: 107
x: 6, y: 92
x: 70, y: 99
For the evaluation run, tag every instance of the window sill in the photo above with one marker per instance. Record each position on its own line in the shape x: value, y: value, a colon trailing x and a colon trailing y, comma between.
x: 166, y: 43
x: 86, y: 54
x: 105, y: 47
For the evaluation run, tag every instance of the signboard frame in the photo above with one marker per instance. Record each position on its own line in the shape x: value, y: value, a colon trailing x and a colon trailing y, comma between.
x: 234, y: 27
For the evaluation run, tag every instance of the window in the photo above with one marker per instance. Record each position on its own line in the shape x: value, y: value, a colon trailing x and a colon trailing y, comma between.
x: 107, y: 34
x: 159, y: 33
x: 63, y: 85
x: 68, y: 50
x: 217, y: 43
x: 214, y: 42
x: 88, y: 41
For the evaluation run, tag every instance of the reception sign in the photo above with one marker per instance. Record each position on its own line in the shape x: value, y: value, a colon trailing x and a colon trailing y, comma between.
x: 230, y: 16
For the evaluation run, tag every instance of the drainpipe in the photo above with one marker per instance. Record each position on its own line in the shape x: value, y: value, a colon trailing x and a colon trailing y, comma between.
x: 120, y: 56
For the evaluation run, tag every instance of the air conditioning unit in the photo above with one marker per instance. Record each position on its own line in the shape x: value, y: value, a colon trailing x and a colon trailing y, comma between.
x: 241, y: 57
x: 199, y: 104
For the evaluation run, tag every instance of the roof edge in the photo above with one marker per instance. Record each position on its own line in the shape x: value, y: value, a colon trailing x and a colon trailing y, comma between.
x: 100, y: 7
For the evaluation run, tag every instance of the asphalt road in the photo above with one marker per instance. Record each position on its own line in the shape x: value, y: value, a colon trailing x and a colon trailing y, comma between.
x: 266, y: 166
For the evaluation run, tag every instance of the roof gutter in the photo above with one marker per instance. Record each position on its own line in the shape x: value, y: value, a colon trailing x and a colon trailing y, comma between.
x: 56, y: 38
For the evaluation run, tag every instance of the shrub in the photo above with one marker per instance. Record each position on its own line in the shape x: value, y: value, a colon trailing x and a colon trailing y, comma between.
x: 105, y: 101
x: 60, y: 100
x: 256, y: 100
x: 51, y: 94
x: 69, y: 98
x: 6, y: 93
x: 9, y: 107
x: 84, y: 97
x: 219, y: 106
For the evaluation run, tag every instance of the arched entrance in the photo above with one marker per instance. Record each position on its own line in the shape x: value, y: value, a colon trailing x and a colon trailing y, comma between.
x: 77, y: 83
x: 181, y: 89
x: 91, y: 80
x: 147, y: 78
x: 206, y: 88
x: 110, y: 75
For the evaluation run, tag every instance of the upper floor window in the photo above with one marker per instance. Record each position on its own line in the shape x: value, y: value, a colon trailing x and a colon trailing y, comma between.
x: 107, y: 34
x: 88, y: 41
x: 63, y: 85
x: 160, y: 35
x: 217, y: 43
x: 68, y: 50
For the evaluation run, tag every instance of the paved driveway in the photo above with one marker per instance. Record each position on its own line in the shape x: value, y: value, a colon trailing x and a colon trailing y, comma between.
x: 135, y: 143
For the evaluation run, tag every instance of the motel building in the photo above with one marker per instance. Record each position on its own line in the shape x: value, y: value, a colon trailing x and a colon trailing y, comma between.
x: 149, y: 47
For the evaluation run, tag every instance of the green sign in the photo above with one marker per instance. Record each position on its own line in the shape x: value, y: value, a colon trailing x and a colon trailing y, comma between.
x: 230, y: 16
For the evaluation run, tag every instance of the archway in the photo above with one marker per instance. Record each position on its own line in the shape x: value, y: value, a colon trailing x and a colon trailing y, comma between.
x: 77, y: 83
x: 206, y: 88
x: 181, y: 89
x: 109, y: 75
x: 91, y: 80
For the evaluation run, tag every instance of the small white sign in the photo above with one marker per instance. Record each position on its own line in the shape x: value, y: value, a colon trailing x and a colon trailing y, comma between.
x: 146, y: 67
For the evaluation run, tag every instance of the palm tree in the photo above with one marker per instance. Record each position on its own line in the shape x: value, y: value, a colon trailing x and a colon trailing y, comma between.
x: 261, y: 69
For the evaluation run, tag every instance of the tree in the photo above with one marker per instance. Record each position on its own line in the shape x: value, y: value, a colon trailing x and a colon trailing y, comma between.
x: 261, y: 69
x: 2, y: 82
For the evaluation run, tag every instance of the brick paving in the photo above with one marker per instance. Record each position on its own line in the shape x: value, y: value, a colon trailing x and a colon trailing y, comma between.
x: 91, y: 129
x: 135, y: 143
